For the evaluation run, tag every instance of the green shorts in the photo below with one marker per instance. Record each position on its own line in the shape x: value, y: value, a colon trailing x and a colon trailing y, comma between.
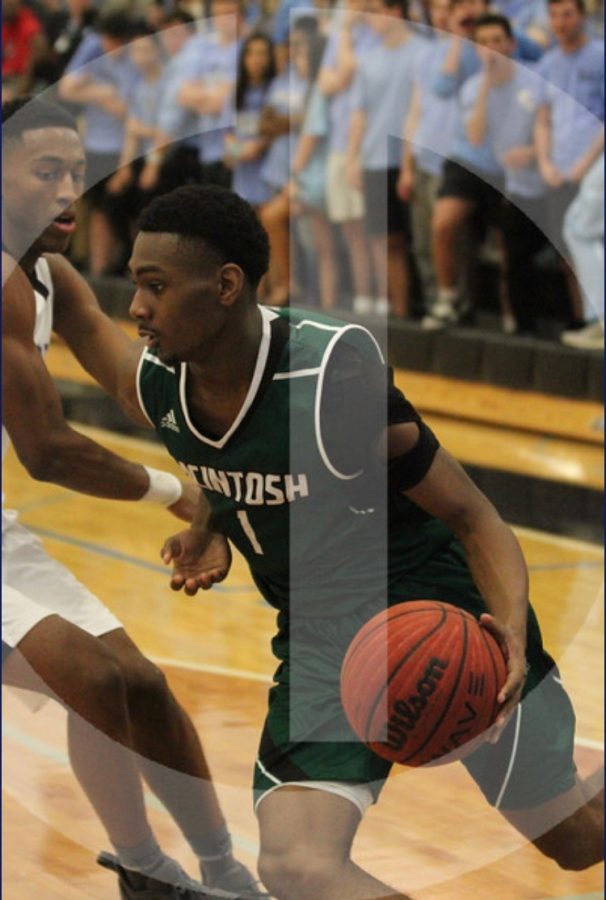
x: 306, y: 736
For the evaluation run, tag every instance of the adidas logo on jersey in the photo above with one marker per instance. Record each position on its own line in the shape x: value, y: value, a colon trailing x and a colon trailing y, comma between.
x: 169, y: 421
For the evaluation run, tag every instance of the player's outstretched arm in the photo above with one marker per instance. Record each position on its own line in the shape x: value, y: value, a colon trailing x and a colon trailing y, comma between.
x: 201, y: 556
x: 97, y: 342
x: 45, y: 443
x: 493, y: 553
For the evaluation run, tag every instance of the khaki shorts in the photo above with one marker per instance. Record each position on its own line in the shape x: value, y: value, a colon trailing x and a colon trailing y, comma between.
x: 343, y: 203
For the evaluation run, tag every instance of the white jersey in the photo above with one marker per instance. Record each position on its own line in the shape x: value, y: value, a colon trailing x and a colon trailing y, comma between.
x: 43, y: 326
x: 34, y: 585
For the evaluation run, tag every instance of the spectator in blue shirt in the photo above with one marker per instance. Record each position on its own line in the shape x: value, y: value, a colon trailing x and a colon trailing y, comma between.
x: 207, y: 89
x: 570, y: 126
x: 307, y: 189
x: 528, y: 16
x: 125, y: 197
x: 507, y: 97
x: 281, y: 122
x: 174, y: 159
x: 382, y: 94
x: 102, y: 78
x: 245, y: 146
x: 350, y: 38
x: 472, y: 176
x: 584, y: 234
x: 284, y: 19
x: 428, y: 138
x: 569, y: 134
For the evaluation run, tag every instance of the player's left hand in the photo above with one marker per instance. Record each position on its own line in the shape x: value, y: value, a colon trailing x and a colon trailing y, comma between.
x: 200, y: 559
x: 513, y: 646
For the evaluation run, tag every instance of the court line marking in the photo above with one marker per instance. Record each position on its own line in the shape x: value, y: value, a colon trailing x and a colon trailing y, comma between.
x: 211, y: 669
x: 46, y: 751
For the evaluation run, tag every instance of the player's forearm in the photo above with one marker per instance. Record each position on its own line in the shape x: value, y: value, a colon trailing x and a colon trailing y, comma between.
x: 542, y: 137
x: 356, y: 134
x: 217, y: 97
x: 192, y: 96
x: 306, y: 147
x: 67, y: 458
x: 452, y: 60
x: 477, y: 124
x: 330, y: 82
x: 100, y: 346
x: 498, y: 569
x: 203, y: 521
x: 130, y: 147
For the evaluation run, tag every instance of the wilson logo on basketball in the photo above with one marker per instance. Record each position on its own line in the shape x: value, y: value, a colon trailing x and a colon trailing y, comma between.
x: 406, y: 713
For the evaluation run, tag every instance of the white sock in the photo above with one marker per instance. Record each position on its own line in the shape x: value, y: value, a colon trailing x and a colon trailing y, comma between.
x: 448, y: 295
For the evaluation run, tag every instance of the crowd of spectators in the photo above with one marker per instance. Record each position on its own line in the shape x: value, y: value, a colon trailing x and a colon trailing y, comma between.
x: 386, y: 145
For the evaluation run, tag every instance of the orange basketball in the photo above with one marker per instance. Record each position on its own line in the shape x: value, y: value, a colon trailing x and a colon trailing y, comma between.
x: 420, y: 680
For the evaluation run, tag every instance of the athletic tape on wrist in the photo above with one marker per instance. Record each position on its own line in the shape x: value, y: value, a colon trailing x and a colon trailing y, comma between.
x: 164, y: 488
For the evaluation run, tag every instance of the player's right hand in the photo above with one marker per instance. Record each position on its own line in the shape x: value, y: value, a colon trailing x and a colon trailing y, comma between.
x: 200, y: 560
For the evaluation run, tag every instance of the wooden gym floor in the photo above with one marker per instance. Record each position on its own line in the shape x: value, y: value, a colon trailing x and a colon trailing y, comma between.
x: 431, y: 834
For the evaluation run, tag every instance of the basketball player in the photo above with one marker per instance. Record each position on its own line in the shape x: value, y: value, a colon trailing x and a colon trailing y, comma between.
x: 58, y: 639
x: 278, y: 416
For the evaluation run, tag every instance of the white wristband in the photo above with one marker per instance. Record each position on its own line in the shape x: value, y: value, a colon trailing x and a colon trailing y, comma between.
x: 164, y: 488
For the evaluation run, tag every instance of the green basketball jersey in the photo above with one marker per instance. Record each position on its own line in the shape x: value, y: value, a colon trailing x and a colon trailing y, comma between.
x: 274, y: 490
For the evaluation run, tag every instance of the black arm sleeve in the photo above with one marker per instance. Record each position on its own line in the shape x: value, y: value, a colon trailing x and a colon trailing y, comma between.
x: 408, y: 470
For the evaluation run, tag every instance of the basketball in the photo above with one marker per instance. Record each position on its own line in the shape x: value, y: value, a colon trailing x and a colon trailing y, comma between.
x: 420, y: 680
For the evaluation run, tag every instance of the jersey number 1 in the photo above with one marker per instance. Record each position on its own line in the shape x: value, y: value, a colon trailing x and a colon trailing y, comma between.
x: 249, y: 532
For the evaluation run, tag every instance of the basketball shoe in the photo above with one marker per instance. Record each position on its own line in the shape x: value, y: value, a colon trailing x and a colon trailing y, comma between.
x: 135, y: 886
x: 234, y: 877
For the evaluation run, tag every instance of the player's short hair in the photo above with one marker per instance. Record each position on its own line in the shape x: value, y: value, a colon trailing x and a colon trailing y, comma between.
x: 32, y: 114
x: 494, y: 19
x: 225, y: 222
x: 580, y: 4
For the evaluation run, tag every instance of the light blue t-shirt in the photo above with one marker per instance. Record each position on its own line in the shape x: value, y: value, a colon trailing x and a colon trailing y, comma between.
x: 383, y: 90
x: 144, y: 108
x: 218, y: 65
x: 575, y: 95
x: 172, y: 118
x: 104, y: 133
x: 247, y: 181
x: 433, y: 139
x: 511, y: 114
x: 480, y: 158
x: 312, y: 179
x: 524, y: 13
x: 340, y: 104
x: 286, y: 95
x: 469, y: 62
